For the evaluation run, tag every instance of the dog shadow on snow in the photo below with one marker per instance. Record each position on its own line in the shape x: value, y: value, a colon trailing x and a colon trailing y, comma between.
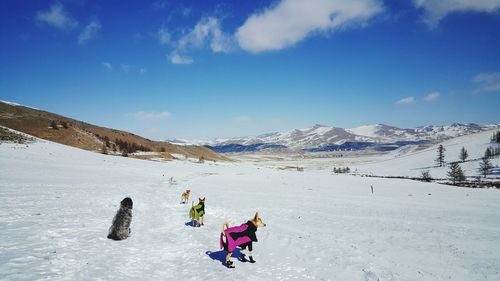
x: 221, y: 255
x: 190, y: 224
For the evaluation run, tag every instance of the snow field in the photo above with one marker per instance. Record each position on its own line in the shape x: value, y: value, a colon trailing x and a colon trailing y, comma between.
x: 58, y: 203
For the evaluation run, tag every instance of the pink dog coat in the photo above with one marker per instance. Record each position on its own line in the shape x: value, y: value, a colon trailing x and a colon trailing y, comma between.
x: 238, y: 235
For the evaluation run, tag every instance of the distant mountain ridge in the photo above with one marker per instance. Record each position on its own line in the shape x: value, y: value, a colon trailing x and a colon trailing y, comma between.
x: 326, y: 138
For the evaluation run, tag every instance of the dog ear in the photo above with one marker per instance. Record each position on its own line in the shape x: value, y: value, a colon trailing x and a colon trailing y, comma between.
x: 256, y: 216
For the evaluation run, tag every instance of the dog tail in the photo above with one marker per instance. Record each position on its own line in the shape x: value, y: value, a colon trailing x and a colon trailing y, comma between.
x: 223, y: 238
x: 226, y: 225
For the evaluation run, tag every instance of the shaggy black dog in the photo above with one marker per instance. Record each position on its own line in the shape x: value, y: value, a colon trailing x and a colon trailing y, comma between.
x: 120, y: 228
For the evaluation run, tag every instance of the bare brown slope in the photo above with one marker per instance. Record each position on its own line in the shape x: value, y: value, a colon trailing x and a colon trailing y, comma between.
x: 87, y: 136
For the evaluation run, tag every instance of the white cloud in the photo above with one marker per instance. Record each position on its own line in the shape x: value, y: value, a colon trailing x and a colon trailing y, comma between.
x: 206, y: 33
x: 488, y: 78
x: 406, y: 101
x: 108, y: 66
x: 487, y: 82
x: 207, y: 30
x: 291, y: 21
x: 436, y: 10
x: 432, y: 96
x: 57, y: 17
x: 89, y: 32
x: 175, y: 58
x: 142, y: 71
x: 141, y: 115
x: 164, y: 36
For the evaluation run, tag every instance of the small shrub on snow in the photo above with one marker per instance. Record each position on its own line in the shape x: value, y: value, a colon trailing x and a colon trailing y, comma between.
x: 426, y: 176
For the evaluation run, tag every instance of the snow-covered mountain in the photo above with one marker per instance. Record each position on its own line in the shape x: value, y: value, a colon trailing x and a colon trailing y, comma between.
x: 315, y: 136
x: 381, y: 132
x: 319, y: 136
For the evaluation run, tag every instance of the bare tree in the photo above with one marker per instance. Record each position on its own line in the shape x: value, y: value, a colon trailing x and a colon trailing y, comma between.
x: 496, y: 137
x: 485, y: 167
x: 106, y: 141
x: 104, y: 149
x: 53, y: 125
x: 463, y: 154
x: 488, y: 153
x: 456, y: 174
x: 440, y: 157
x: 426, y: 176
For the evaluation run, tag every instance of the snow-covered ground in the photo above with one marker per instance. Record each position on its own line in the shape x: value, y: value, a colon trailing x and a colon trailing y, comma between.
x: 57, y: 204
x: 407, y: 161
x: 412, y: 163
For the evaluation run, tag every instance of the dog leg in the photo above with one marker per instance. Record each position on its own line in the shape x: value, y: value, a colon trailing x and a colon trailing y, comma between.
x: 229, y: 263
x: 242, y: 257
x: 250, y: 246
x: 251, y: 260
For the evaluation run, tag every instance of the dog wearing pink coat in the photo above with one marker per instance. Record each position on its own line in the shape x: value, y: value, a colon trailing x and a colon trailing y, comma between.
x: 240, y: 236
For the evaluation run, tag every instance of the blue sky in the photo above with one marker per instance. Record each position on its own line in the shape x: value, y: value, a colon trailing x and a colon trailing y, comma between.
x: 205, y: 69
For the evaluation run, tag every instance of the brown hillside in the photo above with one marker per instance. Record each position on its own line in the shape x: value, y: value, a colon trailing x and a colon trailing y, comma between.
x: 79, y: 134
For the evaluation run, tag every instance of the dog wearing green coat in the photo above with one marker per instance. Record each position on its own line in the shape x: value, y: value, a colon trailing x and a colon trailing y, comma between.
x: 197, y: 212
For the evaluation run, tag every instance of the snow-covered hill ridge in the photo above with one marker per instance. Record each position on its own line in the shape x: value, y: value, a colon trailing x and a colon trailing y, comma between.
x: 385, y: 132
x: 412, y: 163
x: 321, y: 135
x: 17, y: 104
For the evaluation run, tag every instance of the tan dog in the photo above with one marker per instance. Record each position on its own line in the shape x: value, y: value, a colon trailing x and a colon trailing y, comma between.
x: 241, y: 236
x: 197, y: 212
x: 185, y: 196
